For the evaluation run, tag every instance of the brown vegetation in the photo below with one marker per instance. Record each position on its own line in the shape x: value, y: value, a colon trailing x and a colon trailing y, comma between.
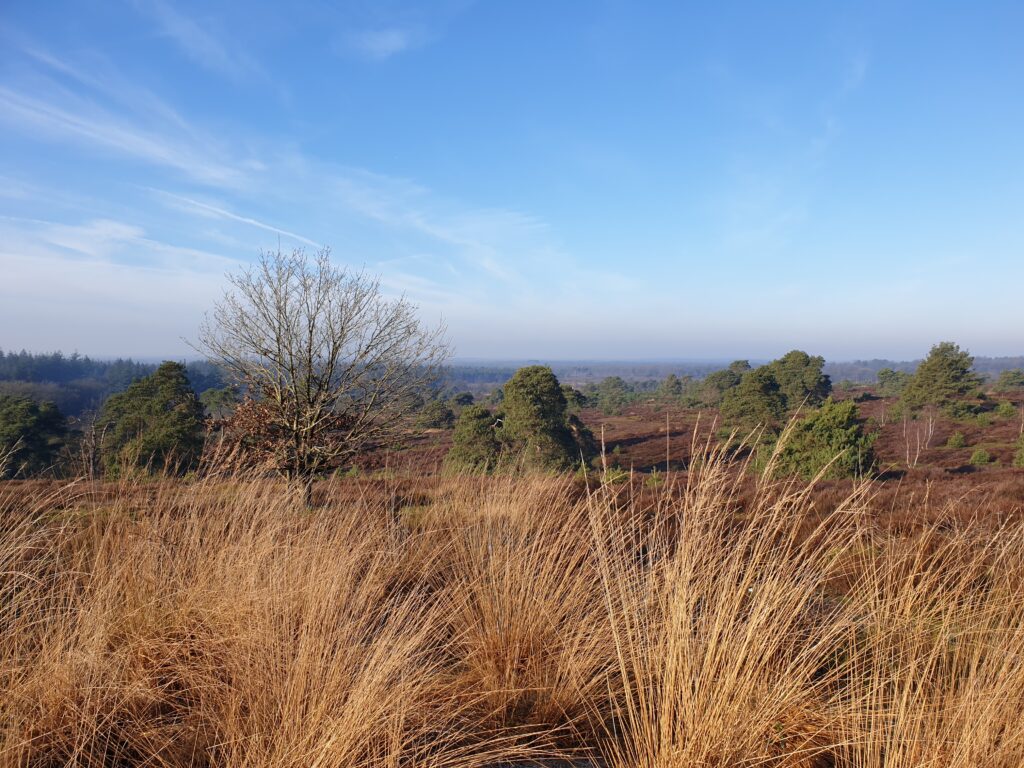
x: 714, y: 620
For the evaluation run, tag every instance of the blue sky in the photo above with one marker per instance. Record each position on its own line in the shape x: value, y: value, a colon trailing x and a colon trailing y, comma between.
x: 567, y: 180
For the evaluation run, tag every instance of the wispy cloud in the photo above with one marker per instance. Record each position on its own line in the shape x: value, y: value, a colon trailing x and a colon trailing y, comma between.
x: 83, y: 121
x: 199, y: 42
x: 856, y: 71
x: 106, y: 240
x: 222, y: 213
x: 380, y: 44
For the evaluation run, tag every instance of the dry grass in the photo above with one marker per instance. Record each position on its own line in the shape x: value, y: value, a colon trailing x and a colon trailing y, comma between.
x: 217, y: 624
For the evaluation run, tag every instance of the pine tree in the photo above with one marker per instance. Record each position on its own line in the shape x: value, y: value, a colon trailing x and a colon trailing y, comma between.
x: 943, y: 378
x: 31, y: 435
x: 475, y: 444
x: 800, y: 378
x: 536, y: 423
x: 156, y: 423
x: 757, y: 401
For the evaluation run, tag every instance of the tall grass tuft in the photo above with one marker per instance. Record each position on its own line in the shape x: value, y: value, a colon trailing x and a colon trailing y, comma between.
x: 475, y: 622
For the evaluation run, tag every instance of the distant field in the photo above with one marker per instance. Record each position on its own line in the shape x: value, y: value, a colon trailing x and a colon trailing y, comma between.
x: 635, y: 439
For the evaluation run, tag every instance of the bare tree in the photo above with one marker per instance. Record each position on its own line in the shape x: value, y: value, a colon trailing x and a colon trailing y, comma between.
x: 329, y: 365
x: 919, y: 439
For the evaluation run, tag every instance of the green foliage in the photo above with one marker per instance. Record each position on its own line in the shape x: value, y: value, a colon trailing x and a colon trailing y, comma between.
x: 573, y: 397
x: 157, y: 422
x: 980, y: 457
x: 31, y: 436
x: 897, y: 411
x: 714, y: 386
x: 800, y: 378
x: 670, y: 388
x: 1018, y: 456
x: 942, y: 379
x: 585, y: 444
x: 1006, y: 410
x: 475, y: 443
x: 756, y: 401
x: 956, y: 440
x: 462, y: 399
x: 1011, y: 380
x: 613, y: 394
x: 219, y: 403
x: 892, y: 383
x: 436, y: 414
x: 536, y: 422
x: 832, y: 433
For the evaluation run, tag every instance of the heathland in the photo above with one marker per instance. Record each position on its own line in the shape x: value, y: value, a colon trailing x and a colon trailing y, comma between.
x: 334, y: 553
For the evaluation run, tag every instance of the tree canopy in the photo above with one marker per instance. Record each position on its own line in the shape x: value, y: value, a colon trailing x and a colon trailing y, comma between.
x: 332, y: 366
x: 31, y: 436
x: 892, y: 383
x: 943, y: 378
x: 537, y: 424
x: 801, y: 380
x: 756, y: 401
x: 157, y: 423
x: 475, y: 443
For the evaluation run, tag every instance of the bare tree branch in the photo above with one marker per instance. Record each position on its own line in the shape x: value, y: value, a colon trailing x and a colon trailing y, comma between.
x: 331, y: 367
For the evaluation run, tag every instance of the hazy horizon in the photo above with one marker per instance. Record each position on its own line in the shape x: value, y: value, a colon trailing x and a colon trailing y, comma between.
x: 589, y: 181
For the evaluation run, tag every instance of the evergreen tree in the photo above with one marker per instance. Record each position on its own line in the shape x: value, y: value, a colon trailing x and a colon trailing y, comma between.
x: 462, y: 399
x: 670, y: 388
x: 1010, y: 380
x: 757, y: 401
x: 832, y: 433
x: 800, y: 378
x: 613, y: 394
x: 943, y: 378
x: 536, y: 422
x: 436, y: 414
x: 892, y: 383
x: 31, y: 436
x: 157, y: 422
x: 475, y: 444
x: 716, y: 384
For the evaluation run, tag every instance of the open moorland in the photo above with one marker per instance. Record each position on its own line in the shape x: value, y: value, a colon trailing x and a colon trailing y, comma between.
x: 716, y: 618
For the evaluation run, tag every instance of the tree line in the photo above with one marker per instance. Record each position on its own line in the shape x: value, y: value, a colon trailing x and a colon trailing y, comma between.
x: 310, y: 365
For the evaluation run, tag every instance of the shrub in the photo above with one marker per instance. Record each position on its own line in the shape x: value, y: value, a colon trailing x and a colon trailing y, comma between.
x: 1018, y: 457
x: 475, y: 445
x: 1006, y: 410
x: 956, y: 440
x: 832, y: 436
x: 980, y: 457
x: 896, y: 412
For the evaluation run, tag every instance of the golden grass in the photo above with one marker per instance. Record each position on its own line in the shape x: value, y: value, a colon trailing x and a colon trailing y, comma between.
x: 216, y: 623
